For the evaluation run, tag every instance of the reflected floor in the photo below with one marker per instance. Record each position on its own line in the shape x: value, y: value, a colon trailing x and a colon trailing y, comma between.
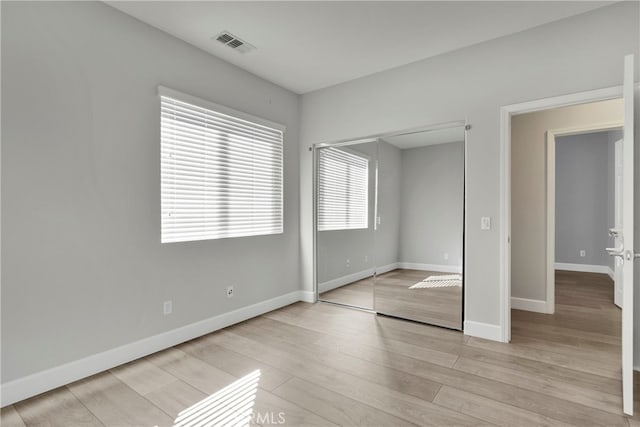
x: 357, y: 294
x: 438, y: 306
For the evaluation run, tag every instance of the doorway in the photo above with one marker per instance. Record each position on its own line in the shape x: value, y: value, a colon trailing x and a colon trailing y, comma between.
x: 627, y: 93
x: 533, y: 197
x: 583, y: 203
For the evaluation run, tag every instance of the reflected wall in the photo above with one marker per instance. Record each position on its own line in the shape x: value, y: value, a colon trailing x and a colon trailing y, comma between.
x: 407, y: 261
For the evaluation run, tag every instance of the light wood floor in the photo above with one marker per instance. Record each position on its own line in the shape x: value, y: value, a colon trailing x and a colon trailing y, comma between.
x: 389, y: 293
x: 326, y: 365
x: 437, y: 306
x: 357, y: 294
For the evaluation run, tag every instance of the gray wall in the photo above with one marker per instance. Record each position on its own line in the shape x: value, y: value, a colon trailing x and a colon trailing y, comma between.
x: 83, y: 267
x: 582, y: 198
x: 432, y: 204
x: 472, y: 83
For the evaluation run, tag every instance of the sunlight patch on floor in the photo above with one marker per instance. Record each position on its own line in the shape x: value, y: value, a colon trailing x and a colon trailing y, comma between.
x: 230, y: 406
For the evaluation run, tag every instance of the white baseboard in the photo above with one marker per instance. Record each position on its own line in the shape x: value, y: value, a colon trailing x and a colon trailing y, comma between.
x: 387, y: 268
x: 431, y: 267
x: 610, y: 273
x: 585, y: 268
x: 345, y: 280
x: 23, y: 388
x: 538, y: 306
x: 307, y: 296
x: 354, y: 277
x: 482, y: 330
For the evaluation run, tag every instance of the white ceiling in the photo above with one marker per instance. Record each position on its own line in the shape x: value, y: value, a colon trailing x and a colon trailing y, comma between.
x: 304, y: 46
x: 431, y: 137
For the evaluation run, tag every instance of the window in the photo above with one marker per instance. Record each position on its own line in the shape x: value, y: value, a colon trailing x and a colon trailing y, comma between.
x: 221, y: 171
x: 343, y: 190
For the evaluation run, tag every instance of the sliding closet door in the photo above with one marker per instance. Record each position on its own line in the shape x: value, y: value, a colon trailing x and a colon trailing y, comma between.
x: 419, y: 230
x: 345, y: 223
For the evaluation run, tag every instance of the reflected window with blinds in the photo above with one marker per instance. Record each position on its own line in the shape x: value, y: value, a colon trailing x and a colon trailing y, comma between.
x: 221, y: 171
x: 343, y: 190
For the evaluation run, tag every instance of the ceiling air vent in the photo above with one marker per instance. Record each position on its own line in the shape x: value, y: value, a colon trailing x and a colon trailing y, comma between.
x: 234, y: 42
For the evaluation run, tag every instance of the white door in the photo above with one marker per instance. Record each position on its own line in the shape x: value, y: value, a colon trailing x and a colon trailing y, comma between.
x: 626, y: 252
x: 623, y: 231
x: 617, y: 229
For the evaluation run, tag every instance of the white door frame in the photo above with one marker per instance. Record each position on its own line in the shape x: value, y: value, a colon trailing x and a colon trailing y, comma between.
x: 505, y: 182
x: 552, y: 134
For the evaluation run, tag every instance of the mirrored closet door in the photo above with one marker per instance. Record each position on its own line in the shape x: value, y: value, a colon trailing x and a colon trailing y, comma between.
x: 345, y: 213
x: 419, y: 236
x: 390, y: 221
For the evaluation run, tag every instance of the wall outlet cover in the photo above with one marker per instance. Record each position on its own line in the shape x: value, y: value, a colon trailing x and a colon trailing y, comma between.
x: 485, y: 223
x: 167, y: 307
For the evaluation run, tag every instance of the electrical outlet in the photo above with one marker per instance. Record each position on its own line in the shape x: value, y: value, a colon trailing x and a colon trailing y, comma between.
x: 348, y: 263
x: 445, y: 256
x: 366, y: 259
x: 583, y: 253
x: 167, y: 307
x: 485, y: 223
x: 229, y: 291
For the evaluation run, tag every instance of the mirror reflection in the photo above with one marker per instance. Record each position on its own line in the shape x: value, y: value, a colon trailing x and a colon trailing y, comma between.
x: 345, y: 212
x: 390, y: 220
x: 421, y: 222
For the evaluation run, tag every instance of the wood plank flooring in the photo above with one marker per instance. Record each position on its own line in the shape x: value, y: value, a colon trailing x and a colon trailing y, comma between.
x: 437, y: 306
x: 389, y: 293
x: 325, y: 365
x: 357, y: 294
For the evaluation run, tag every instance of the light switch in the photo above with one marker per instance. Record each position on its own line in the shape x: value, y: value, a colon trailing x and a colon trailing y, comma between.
x: 485, y: 223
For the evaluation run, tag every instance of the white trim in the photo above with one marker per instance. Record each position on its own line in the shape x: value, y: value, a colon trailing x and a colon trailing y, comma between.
x: 25, y: 387
x: 200, y: 102
x: 628, y: 234
x: 345, y: 280
x: 307, y: 296
x: 354, y: 277
x: 610, y: 273
x: 482, y: 330
x: 430, y: 267
x: 387, y: 268
x: 585, y: 268
x: 551, y: 223
x: 535, y: 305
x: 505, y: 183
x: 505, y: 229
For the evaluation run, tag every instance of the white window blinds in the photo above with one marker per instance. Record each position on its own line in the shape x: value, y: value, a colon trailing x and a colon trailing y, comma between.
x: 221, y: 172
x: 343, y: 190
